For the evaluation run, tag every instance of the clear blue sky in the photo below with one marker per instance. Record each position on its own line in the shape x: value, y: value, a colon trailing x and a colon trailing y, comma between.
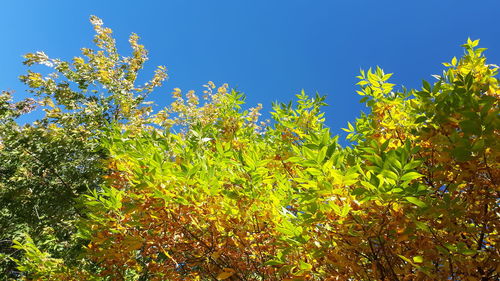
x: 269, y: 49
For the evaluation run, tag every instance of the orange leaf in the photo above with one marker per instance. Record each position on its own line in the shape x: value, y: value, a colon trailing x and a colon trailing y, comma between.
x: 403, y: 237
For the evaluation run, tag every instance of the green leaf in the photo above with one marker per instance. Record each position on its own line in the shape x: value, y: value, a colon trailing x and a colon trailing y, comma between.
x: 416, y: 201
x: 389, y: 174
x: 461, y: 153
x: 351, y: 128
x: 321, y: 154
x: 405, y: 259
x: 421, y: 119
x: 305, y: 266
x: 412, y: 165
x: 422, y: 226
x: 336, y: 208
x: 273, y: 262
x: 411, y: 176
x: 467, y: 252
x: 478, y: 145
x: 470, y: 127
x: 345, y: 210
x: 426, y: 86
x: 368, y: 185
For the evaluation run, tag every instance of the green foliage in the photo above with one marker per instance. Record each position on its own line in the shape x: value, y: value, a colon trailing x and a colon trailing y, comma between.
x: 204, y: 190
x: 47, y: 165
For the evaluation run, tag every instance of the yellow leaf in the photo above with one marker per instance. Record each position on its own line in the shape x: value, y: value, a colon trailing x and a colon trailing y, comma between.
x: 228, y: 272
x: 418, y: 259
x: 216, y: 255
x: 78, y: 60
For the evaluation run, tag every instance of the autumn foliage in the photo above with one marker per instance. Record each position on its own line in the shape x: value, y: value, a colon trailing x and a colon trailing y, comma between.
x: 205, y: 190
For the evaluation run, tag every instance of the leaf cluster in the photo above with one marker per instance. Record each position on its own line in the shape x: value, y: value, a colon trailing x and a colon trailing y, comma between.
x: 205, y: 190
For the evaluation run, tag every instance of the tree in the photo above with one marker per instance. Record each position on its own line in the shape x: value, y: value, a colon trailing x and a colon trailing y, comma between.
x: 47, y: 165
x: 203, y: 190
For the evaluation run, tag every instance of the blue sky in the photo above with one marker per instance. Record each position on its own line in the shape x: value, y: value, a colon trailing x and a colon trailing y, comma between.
x: 268, y: 49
